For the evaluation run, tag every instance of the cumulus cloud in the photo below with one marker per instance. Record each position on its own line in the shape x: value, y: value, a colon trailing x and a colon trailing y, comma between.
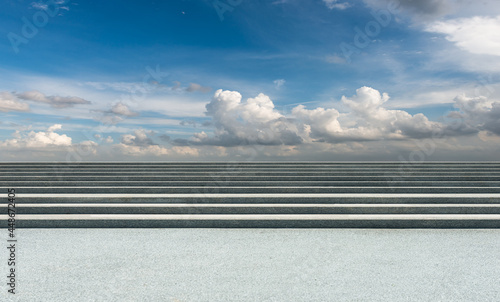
x: 254, y: 121
x: 478, y: 113
x: 367, y: 107
x: 139, y: 138
x: 54, y: 128
x: 99, y: 137
x: 39, y: 145
x: 369, y: 120
x: 116, y: 114
x: 122, y: 109
x: 259, y: 109
x: 54, y: 101
x: 478, y: 35
x: 186, y: 151
x: 133, y: 150
x: 9, y: 102
x: 41, y: 139
x: 140, y: 143
x: 335, y: 4
x: 318, y: 122
x: 359, y: 126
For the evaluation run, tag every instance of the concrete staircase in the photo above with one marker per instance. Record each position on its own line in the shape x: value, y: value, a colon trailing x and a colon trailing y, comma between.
x: 266, y: 195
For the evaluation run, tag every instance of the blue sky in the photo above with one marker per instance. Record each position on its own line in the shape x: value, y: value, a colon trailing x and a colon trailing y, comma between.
x: 250, y: 80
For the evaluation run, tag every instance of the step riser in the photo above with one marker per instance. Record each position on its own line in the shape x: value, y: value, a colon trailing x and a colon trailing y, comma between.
x: 258, y: 224
x: 257, y: 210
x: 252, y: 190
x: 260, y: 200
x: 255, y: 183
x: 282, y: 172
x: 241, y: 177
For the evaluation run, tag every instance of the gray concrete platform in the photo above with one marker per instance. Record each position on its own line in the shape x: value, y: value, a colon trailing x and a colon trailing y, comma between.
x: 256, y: 265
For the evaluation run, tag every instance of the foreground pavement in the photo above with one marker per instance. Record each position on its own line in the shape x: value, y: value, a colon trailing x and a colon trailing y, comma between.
x: 256, y: 265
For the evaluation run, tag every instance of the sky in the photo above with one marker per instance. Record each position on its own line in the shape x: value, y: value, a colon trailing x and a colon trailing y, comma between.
x: 239, y: 80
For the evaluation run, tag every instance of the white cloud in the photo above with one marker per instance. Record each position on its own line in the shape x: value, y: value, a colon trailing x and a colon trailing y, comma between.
x: 478, y: 35
x: 140, y: 144
x: 54, y: 101
x: 116, y: 114
x: 54, y: 128
x: 140, y: 137
x: 254, y: 121
x: 319, y: 121
x: 40, y: 145
x: 99, y: 137
x: 259, y: 109
x: 9, y: 102
x: 186, y: 151
x: 149, y: 150
x: 362, y: 125
x: 335, y: 4
x: 370, y: 120
x: 37, y: 140
x: 122, y: 109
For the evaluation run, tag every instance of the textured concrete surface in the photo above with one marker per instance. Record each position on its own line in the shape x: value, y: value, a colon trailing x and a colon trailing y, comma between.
x: 255, y: 265
x: 470, y: 190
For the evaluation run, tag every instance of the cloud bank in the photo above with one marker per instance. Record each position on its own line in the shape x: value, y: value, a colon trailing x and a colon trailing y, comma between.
x: 242, y: 127
x: 257, y: 122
